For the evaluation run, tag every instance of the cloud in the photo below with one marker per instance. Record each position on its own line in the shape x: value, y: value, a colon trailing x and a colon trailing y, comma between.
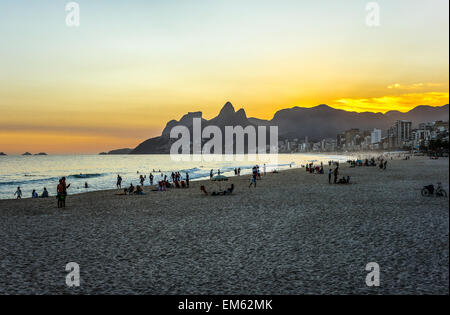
x: 415, y: 86
x: 404, y: 102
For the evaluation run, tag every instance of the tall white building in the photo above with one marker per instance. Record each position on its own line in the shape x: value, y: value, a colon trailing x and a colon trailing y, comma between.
x: 376, y: 136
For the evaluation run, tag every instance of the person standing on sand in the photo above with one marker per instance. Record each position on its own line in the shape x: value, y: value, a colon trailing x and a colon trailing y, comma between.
x: 62, y: 192
x: 119, y: 181
x: 329, y: 175
x: 18, y: 193
x: 187, y: 179
x: 151, y: 179
x: 336, y: 174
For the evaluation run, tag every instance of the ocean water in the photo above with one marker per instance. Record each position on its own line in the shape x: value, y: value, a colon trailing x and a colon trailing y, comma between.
x: 100, y: 171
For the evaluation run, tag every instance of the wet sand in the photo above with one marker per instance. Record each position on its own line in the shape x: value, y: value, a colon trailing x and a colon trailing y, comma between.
x: 292, y: 234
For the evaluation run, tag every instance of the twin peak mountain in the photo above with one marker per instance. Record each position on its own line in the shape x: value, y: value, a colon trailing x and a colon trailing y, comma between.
x: 316, y: 123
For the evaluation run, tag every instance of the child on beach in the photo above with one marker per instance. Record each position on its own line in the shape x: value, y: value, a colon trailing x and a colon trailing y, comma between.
x: 18, y: 193
x: 253, y: 181
x: 44, y: 193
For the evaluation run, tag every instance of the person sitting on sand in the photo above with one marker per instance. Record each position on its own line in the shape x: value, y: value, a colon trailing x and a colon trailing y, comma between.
x: 131, y: 189
x: 34, y: 194
x: 229, y: 191
x: 162, y: 186
x: 44, y: 193
x: 139, y: 190
x: 18, y: 193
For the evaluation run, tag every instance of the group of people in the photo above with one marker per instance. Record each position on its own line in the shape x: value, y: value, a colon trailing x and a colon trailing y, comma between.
x: 315, y: 169
x: 18, y: 194
x: 256, y: 174
x: 161, y: 185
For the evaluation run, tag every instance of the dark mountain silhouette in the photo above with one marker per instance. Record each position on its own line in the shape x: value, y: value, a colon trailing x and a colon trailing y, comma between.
x: 317, y: 123
x: 325, y: 122
x: 227, y: 117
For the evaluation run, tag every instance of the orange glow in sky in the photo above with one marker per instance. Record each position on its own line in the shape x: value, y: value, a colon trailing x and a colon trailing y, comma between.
x: 135, y: 65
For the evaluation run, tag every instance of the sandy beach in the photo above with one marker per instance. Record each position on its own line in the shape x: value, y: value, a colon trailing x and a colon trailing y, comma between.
x: 292, y: 234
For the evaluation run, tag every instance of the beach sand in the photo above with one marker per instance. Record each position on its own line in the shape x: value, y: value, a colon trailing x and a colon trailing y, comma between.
x: 292, y: 234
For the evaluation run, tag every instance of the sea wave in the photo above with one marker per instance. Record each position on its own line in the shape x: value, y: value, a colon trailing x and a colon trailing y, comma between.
x: 85, y: 175
x: 24, y: 181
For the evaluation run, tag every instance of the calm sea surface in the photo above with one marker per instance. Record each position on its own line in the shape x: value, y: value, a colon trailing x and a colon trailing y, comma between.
x: 100, y: 171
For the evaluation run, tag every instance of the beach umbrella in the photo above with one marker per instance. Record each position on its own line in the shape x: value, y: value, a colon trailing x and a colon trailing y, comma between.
x: 219, y: 178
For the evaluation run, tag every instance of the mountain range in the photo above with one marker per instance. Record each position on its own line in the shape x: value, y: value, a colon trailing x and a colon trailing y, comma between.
x: 298, y: 122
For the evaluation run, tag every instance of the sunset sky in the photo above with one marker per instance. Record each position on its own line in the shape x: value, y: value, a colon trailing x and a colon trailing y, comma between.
x: 133, y: 65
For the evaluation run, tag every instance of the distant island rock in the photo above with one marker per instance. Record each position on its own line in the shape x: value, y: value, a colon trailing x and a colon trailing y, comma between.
x: 3, y: 154
x: 41, y: 153
x: 27, y: 153
x: 117, y: 152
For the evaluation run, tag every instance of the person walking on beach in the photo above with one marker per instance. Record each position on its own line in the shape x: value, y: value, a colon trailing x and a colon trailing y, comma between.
x: 187, y: 179
x: 119, y: 182
x: 253, y: 181
x: 385, y: 165
x: 18, y: 193
x: 329, y: 175
x: 211, y: 174
x: 239, y: 171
